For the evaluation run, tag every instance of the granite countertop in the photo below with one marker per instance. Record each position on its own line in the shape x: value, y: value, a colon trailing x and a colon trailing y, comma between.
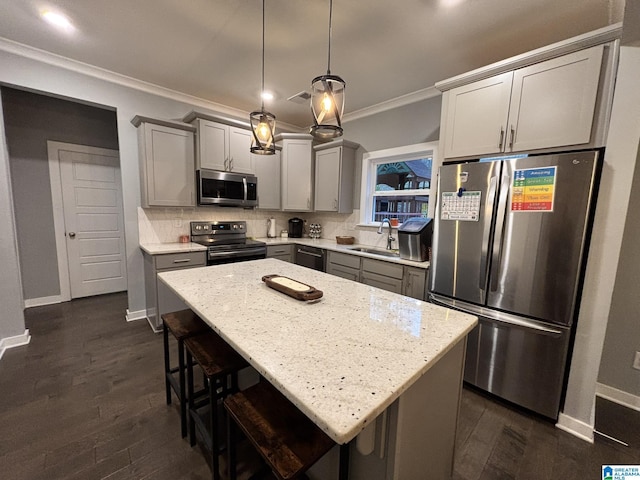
x: 342, y: 360
x: 332, y: 245
x: 164, y: 248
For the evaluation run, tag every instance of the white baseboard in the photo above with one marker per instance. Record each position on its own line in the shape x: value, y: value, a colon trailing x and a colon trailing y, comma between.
x: 154, y: 328
x: 17, y: 341
x: 38, y: 302
x: 575, y: 427
x: 618, y: 396
x: 137, y: 315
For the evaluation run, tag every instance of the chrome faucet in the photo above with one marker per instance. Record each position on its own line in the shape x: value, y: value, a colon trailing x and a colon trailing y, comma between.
x: 390, y: 236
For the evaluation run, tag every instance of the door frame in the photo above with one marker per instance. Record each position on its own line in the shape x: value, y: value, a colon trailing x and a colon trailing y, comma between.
x: 53, y: 149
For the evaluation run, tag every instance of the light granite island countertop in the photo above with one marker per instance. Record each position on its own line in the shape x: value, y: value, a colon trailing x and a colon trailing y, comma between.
x: 346, y: 359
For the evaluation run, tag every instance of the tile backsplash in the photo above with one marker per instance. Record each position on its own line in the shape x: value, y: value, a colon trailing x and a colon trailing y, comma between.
x: 165, y: 225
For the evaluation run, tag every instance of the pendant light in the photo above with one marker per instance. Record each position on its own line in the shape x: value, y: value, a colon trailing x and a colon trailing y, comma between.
x: 263, y: 123
x: 327, y: 99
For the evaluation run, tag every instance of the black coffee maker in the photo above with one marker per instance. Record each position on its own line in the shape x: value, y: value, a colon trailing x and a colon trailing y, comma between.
x: 296, y: 227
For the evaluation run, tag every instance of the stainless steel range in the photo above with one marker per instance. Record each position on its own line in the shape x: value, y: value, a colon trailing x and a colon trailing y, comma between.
x: 227, y: 242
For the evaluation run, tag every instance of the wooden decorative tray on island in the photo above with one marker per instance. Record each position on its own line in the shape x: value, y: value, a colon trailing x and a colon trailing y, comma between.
x: 293, y: 288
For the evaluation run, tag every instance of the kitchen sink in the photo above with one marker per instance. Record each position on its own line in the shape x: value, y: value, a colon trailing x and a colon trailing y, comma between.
x: 377, y: 251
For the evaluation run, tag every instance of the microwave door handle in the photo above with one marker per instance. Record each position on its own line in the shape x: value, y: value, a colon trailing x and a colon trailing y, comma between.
x: 498, y: 240
x: 246, y: 189
x: 486, y: 231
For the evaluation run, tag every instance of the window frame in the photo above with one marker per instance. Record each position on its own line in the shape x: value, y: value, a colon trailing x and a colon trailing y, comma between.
x: 370, y: 161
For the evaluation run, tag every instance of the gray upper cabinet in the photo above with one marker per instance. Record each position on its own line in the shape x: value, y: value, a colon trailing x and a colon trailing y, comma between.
x: 267, y: 169
x: 334, y: 176
x: 546, y: 105
x: 223, y: 147
x: 167, y: 163
x: 297, y: 172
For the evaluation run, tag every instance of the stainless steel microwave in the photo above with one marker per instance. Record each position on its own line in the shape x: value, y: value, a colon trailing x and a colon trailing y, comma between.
x: 226, y: 189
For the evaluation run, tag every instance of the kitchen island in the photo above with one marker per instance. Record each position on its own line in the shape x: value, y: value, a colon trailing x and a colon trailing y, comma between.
x: 362, y: 363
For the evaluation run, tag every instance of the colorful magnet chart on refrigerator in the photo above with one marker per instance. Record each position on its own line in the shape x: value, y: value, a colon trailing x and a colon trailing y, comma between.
x: 533, y: 189
x: 463, y: 206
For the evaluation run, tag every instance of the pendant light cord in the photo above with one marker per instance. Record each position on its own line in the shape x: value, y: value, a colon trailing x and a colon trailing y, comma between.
x: 329, y: 55
x: 262, y: 91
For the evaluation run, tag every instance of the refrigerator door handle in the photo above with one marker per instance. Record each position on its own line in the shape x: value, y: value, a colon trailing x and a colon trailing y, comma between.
x: 486, y: 231
x: 498, y: 239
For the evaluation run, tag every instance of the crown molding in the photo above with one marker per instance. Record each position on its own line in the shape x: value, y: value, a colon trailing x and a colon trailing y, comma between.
x: 82, y: 68
x: 401, y: 101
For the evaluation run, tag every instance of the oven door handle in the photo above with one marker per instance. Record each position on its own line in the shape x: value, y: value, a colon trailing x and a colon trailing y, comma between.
x: 245, y: 252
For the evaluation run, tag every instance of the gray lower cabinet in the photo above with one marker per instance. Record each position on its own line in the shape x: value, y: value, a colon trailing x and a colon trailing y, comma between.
x: 159, y: 300
x: 409, y: 281
x: 414, y: 282
x: 281, y: 252
x: 344, y: 265
x: 384, y: 275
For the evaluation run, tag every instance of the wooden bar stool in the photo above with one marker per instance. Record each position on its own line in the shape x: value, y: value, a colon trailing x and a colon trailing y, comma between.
x: 182, y: 324
x: 286, y: 439
x: 220, y: 364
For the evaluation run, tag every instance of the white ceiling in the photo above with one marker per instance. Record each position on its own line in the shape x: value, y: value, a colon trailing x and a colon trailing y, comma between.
x: 383, y: 49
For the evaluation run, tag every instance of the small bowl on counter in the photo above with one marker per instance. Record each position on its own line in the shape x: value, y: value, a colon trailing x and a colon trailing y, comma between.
x: 345, y: 240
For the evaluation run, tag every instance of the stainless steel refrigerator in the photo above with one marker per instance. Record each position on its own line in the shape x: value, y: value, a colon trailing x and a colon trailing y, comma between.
x: 509, y: 246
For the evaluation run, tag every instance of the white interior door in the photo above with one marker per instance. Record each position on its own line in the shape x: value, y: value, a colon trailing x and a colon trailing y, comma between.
x: 93, y: 219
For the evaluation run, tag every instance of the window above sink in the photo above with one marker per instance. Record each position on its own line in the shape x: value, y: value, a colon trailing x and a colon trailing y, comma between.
x: 396, y: 183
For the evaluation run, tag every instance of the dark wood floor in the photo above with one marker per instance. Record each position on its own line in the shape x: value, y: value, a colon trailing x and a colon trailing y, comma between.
x: 85, y: 400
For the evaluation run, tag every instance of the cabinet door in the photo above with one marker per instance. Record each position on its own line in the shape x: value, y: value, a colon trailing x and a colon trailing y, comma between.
x: 240, y: 158
x: 381, y: 281
x: 297, y: 175
x: 476, y: 116
x: 267, y: 169
x: 414, y: 282
x: 327, y: 179
x: 169, y: 161
x: 553, y: 102
x: 213, y: 148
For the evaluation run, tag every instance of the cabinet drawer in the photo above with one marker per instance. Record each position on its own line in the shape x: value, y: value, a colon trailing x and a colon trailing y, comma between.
x: 344, y: 272
x: 382, y: 281
x: 352, y: 261
x: 382, y: 268
x: 180, y: 260
x: 278, y: 250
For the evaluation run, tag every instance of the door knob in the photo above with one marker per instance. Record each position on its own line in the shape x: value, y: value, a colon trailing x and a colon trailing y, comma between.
x: 72, y: 234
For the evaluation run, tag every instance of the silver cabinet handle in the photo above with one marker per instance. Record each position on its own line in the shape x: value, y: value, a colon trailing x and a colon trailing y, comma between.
x: 308, y: 203
x: 512, y: 138
x: 501, y: 138
x: 335, y: 203
x: 72, y: 234
x: 231, y: 164
x: 185, y: 260
x: 226, y: 161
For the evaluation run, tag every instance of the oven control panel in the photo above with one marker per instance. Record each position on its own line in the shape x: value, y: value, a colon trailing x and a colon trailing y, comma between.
x: 218, y: 228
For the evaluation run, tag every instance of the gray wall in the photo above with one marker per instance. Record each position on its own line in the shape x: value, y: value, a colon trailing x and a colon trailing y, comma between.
x: 11, y: 316
x: 623, y: 330
x: 415, y: 123
x: 407, y: 125
x: 30, y: 120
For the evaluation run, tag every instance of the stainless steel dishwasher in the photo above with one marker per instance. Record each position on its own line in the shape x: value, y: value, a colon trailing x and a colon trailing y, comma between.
x: 310, y: 257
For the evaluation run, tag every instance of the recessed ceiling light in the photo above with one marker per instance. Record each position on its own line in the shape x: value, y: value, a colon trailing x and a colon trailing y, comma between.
x: 267, y: 96
x: 58, y: 20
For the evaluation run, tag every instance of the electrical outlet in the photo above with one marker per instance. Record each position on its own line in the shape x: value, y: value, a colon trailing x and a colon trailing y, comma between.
x: 177, y: 223
x: 636, y: 361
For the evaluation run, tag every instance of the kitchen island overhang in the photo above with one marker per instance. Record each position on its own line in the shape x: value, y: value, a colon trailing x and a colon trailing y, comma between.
x: 341, y: 360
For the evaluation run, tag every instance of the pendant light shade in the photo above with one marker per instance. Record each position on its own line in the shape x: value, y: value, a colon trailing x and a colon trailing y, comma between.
x: 263, y: 123
x: 327, y: 99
